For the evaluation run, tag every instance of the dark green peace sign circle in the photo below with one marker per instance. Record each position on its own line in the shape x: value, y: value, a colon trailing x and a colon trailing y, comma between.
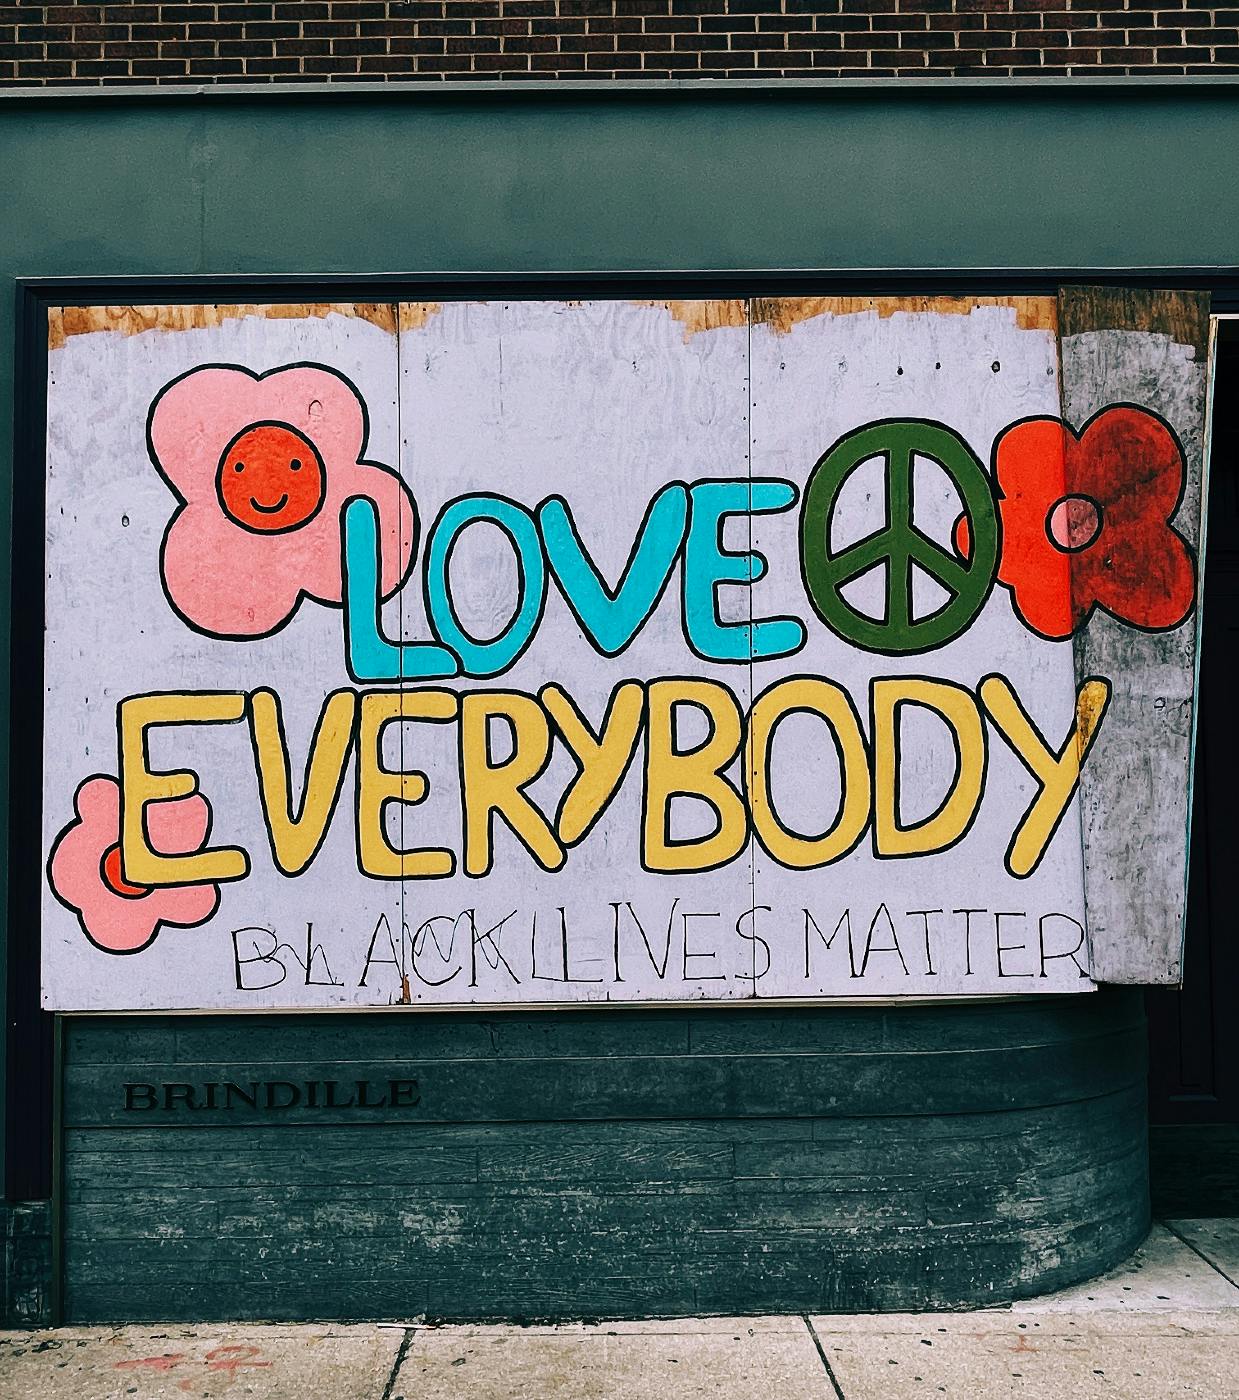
x: 898, y: 544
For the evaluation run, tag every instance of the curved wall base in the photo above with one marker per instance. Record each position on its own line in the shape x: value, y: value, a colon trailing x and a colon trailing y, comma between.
x: 602, y: 1164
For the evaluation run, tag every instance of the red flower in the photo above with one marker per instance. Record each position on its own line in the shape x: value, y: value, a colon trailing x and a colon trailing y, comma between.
x: 1086, y: 522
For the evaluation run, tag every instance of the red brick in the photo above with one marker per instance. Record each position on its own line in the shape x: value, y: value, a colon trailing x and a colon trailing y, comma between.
x: 328, y: 67
x: 213, y: 32
x: 95, y: 70
x: 499, y: 62
x: 715, y: 42
x: 357, y: 46
x: 1019, y: 23
x: 587, y: 43
x: 245, y: 48
x: 158, y: 67
x: 629, y: 24
x: 77, y: 50
x: 473, y: 43
x: 760, y: 41
x: 407, y: 45
x: 303, y: 48
x: 557, y: 63
x: 616, y: 62
x: 184, y: 14
x: 269, y: 29
x: 133, y: 14
x: 267, y: 67
x: 71, y: 14
x: 335, y: 29
x: 102, y: 32
x: 901, y: 24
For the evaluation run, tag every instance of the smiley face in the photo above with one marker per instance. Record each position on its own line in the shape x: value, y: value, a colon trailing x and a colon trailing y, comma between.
x: 270, y: 479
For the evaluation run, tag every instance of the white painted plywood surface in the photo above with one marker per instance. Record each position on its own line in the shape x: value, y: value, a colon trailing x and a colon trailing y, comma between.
x: 602, y: 407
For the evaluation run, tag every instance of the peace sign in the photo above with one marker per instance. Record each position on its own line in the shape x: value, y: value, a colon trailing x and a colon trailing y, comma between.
x: 898, y: 544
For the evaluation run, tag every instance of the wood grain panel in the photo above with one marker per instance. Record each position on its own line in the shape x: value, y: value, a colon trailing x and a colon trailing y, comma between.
x: 1129, y: 346
x: 945, y: 1159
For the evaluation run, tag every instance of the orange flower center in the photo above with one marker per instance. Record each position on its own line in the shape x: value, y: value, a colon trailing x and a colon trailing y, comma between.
x: 115, y: 880
x: 270, y: 479
x: 1073, y: 523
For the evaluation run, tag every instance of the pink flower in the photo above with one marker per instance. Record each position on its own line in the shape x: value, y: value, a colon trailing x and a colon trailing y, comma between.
x: 84, y: 868
x: 263, y: 464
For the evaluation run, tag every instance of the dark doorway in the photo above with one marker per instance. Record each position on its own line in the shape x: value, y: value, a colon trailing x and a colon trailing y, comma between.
x: 1194, y: 1033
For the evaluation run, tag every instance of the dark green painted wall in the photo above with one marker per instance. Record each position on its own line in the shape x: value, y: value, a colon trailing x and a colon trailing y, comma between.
x: 612, y: 1162
x: 608, y: 1164
x: 26, y: 1288
x: 1024, y: 177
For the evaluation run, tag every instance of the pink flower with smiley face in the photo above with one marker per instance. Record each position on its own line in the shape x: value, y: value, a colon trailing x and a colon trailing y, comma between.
x: 84, y: 868
x: 262, y: 465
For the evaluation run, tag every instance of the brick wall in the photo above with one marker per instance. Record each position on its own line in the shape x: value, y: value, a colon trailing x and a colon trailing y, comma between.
x: 299, y: 40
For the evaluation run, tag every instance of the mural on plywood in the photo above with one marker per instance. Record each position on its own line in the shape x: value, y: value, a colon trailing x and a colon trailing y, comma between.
x: 539, y: 652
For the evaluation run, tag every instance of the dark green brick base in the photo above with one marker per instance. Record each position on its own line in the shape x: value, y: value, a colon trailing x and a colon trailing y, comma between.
x: 609, y: 1163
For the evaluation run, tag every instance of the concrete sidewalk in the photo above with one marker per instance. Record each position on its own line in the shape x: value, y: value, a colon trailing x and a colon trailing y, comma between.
x: 1164, y: 1324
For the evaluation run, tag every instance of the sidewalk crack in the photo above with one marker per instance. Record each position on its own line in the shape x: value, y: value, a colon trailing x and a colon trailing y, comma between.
x: 405, y: 1343
x: 1216, y: 1268
x: 821, y: 1351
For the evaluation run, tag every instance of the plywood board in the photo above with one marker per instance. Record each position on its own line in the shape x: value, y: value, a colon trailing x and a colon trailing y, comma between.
x: 840, y: 380
x: 1149, y: 349
x: 136, y: 587
x: 577, y: 652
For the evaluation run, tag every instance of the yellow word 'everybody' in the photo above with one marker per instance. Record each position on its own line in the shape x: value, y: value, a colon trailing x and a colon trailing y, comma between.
x: 497, y: 788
